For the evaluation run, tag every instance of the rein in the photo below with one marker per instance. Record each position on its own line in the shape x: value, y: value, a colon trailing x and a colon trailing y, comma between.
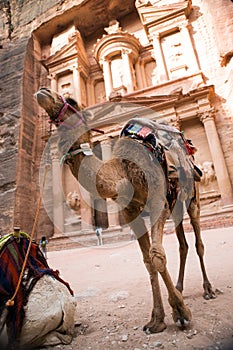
x: 58, y: 120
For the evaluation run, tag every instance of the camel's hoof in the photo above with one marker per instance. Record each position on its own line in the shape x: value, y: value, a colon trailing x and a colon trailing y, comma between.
x: 182, y: 323
x: 154, y: 328
x: 208, y: 292
x: 208, y: 296
x: 182, y: 317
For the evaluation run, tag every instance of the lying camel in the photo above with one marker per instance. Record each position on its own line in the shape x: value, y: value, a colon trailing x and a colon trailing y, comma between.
x: 138, y: 177
x: 42, y: 312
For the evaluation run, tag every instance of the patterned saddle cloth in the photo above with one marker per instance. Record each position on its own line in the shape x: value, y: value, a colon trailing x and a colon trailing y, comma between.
x: 12, y: 254
x: 168, y: 145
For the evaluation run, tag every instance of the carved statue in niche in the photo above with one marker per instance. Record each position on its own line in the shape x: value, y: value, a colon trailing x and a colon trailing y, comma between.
x: 114, y: 27
x: 73, y: 200
x: 83, y: 91
x: 151, y: 73
x: 117, y: 70
x: 100, y: 95
x: 154, y: 76
x: 208, y: 172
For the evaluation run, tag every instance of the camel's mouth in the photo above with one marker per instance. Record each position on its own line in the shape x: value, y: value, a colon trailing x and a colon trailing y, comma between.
x: 42, y: 96
x: 45, y: 99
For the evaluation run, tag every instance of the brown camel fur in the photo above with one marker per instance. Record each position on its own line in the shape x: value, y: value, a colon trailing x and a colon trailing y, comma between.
x: 135, y: 182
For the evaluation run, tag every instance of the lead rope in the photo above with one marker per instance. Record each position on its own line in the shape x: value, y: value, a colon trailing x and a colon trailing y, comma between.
x: 10, y: 302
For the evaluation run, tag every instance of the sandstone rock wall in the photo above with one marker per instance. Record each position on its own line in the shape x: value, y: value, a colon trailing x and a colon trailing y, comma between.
x: 20, y: 77
x: 11, y: 63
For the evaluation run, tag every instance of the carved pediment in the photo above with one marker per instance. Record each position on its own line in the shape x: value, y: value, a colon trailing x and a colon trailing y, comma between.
x: 162, y: 11
x: 74, y: 49
x: 64, y: 54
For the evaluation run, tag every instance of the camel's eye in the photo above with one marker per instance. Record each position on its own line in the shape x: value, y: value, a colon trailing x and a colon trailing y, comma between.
x: 72, y: 102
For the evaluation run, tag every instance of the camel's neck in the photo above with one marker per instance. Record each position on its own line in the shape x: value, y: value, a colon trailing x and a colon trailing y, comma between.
x: 83, y: 167
x: 97, y: 177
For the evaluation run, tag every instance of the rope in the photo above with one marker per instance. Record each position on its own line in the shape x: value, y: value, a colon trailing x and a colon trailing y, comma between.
x: 84, y: 148
x: 10, y: 302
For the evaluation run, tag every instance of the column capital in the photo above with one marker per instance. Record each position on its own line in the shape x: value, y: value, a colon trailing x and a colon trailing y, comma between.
x: 176, y: 122
x: 52, y: 76
x: 206, y: 115
x: 106, y: 146
x: 54, y: 152
x: 184, y: 25
x: 154, y: 35
x: 103, y: 61
x: 106, y: 142
x: 78, y: 68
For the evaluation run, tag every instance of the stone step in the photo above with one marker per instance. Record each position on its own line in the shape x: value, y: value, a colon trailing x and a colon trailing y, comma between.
x: 79, y: 238
x: 87, y: 239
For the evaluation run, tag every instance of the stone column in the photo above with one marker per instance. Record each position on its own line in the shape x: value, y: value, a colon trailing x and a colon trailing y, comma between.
x: 107, y: 76
x: 112, y: 207
x: 128, y: 79
x: 86, y: 210
x: 188, y: 48
x: 224, y: 184
x: 58, y: 209
x: 77, y: 85
x: 138, y: 69
x: 158, y: 54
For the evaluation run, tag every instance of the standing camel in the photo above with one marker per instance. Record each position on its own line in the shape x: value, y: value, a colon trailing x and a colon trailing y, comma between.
x: 136, y: 179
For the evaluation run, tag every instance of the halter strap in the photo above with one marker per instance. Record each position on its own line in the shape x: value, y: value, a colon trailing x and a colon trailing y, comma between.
x: 59, y: 121
x: 59, y: 118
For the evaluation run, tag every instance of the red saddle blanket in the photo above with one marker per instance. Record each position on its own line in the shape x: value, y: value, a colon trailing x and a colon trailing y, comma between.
x: 12, y: 256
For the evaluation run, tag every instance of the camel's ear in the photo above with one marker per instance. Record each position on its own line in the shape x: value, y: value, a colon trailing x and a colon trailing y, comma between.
x: 73, y: 103
x: 88, y: 115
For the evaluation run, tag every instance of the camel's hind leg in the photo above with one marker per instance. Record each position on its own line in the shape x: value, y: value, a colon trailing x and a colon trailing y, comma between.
x: 181, y: 313
x: 183, y: 249
x: 194, y: 214
x: 137, y: 224
x: 177, y: 215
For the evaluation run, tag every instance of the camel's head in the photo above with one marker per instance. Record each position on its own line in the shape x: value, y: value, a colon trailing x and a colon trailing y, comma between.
x: 57, y: 106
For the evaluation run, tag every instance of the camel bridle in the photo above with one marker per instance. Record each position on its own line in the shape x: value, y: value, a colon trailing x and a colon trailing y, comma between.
x: 57, y: 120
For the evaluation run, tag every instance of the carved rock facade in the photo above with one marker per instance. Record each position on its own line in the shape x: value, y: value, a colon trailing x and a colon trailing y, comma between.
x: 174, y: 57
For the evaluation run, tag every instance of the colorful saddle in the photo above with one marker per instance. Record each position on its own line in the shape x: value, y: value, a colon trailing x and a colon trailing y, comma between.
x: 167, y: 144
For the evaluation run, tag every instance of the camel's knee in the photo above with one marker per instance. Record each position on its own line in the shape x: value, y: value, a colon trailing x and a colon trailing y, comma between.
x: 184, y: 250
x: 149, y: 267
x: 200, y: 248
x: 158, y: 257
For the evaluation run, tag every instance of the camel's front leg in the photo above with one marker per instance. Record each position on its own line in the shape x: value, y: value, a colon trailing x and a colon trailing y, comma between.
x: 137, y: 224
x: 156, y: 324
x: 181, y: 313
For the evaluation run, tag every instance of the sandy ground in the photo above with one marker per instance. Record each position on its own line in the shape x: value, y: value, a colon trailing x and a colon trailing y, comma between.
x: 114, y: 300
